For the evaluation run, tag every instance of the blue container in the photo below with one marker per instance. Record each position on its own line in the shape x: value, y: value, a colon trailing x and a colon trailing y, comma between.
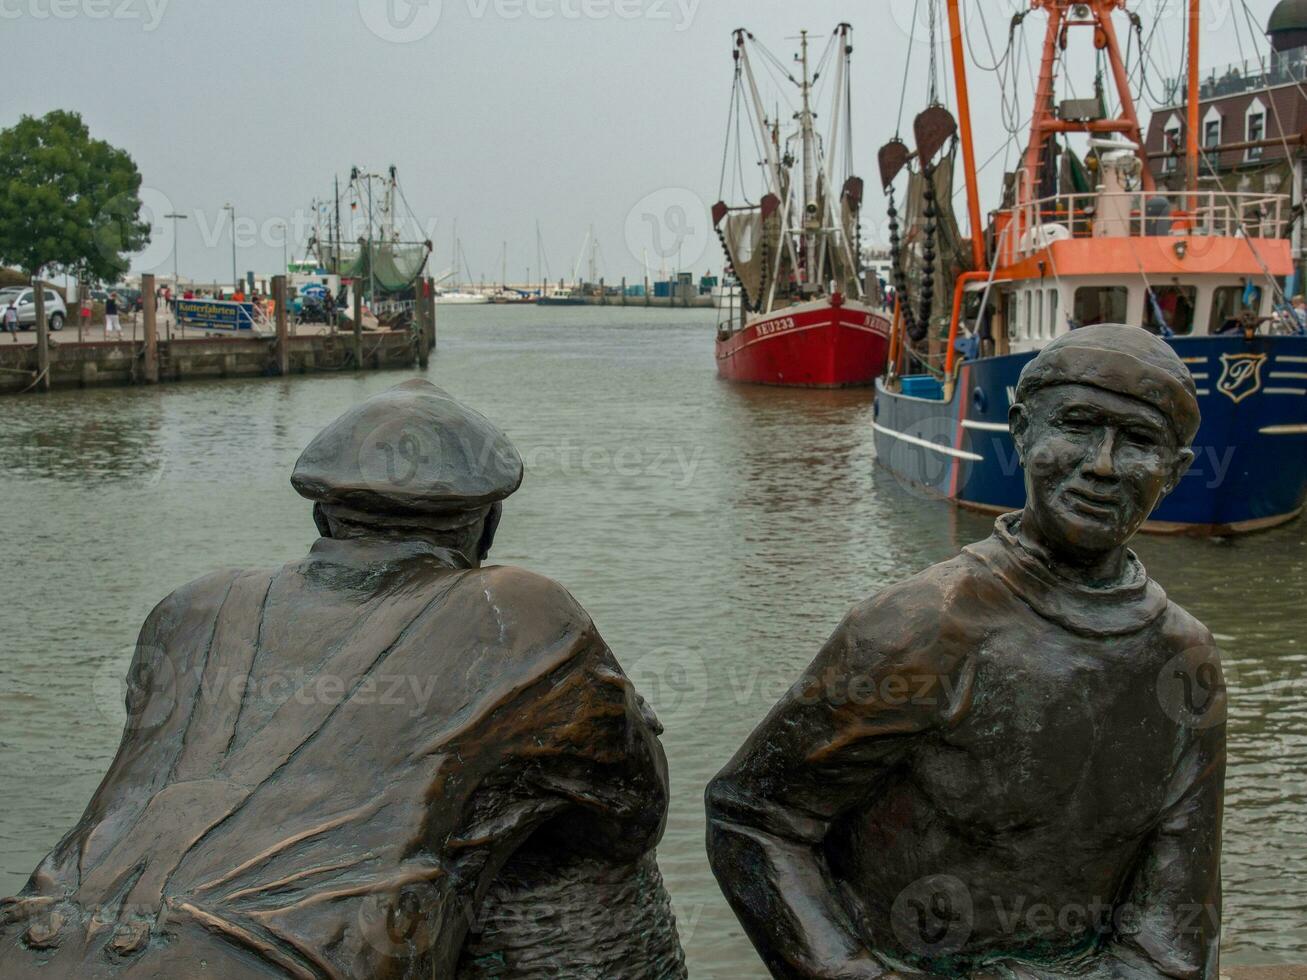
x: 922, y: 386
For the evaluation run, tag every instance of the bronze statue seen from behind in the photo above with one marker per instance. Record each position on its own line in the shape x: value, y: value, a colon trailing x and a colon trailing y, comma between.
x: 384, y: 760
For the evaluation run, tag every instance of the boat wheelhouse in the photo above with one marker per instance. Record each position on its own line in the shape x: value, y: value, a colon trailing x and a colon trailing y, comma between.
x: 1200, y: 267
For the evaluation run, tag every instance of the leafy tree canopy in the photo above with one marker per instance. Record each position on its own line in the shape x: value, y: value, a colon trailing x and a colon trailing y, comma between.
x: 67, y: 201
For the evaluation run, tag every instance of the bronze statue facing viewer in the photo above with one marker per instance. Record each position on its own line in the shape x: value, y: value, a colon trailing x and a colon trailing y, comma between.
x: 1010, y: 765
x: 380, y: 761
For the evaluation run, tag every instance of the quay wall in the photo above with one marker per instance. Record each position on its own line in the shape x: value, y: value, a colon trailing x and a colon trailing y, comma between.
x: 109, y: 363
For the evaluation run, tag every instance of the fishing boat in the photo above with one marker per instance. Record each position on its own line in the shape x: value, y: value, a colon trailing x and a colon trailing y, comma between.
x: 368, y: 245
x: 801, y: 315
x: 1197, y: 264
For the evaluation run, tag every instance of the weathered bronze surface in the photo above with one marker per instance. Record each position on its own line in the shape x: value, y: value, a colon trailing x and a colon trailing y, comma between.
x: 1011, y: 764
x: 380, y: 761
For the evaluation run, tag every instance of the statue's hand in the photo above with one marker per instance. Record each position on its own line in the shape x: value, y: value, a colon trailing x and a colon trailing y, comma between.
x: 42, y: 918
x: 23, y: 909
x: 870, y: 968
x: 1014, y: 970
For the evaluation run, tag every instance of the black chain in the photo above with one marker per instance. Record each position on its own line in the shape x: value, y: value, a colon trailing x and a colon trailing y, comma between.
x: 927, y: 297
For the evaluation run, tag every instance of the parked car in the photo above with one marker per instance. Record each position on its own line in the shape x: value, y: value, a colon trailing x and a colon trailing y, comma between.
x: 55, y: 311
x: 129, y: 300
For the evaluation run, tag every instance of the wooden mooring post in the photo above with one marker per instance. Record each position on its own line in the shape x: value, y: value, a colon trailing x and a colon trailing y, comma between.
x: 431, y: 291
x: 424, y: 319
x: 42, y: 335
x: 150, y: 314
x: 283, y: 330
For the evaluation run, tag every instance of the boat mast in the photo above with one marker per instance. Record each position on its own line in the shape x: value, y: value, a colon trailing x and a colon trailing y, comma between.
x: 1191, y: 137
x: 540, y: 264
x: 335, y: 245
x: 775, y: 177
x: 810, y: 216
x: 968, y: 144
x: 594, y: 248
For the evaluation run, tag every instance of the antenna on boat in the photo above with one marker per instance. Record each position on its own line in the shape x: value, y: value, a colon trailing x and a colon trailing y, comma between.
x: 810, y: 216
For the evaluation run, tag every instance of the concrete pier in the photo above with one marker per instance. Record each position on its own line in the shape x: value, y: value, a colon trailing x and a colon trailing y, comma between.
x: 124, y: 362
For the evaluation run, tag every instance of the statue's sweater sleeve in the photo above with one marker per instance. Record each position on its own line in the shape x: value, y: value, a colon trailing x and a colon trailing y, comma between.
x: 821, y: 751
x: 1170, y: 923
x: 566, y: 742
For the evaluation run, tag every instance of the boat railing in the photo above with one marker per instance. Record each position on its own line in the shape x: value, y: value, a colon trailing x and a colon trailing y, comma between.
x: 1142, y: 214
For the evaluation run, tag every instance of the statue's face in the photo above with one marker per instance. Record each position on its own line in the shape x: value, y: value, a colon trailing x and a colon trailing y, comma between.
x: 1097, y: 464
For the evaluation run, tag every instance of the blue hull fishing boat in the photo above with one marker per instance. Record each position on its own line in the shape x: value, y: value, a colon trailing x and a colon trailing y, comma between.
x: 1201, y: 267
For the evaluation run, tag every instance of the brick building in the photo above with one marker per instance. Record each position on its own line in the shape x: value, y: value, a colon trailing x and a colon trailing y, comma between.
x: 1239, y: 104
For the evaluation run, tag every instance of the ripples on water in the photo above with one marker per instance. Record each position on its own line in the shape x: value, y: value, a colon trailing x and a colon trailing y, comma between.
x: 716, y: 533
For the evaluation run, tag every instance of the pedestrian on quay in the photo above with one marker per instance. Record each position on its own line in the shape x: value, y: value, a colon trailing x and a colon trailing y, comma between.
x: 111, y: 322
x: 11, y: 319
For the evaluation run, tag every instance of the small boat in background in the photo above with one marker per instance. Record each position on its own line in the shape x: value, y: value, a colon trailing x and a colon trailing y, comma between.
x: 800, y: 314
x: 458, y: 297
x: 726, y: 294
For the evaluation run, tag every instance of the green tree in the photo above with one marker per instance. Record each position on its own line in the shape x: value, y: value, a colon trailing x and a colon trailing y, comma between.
x: 67, y: 202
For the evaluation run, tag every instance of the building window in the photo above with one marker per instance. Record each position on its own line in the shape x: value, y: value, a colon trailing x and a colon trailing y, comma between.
x: 1255, y: 128
x: 1212, y: 133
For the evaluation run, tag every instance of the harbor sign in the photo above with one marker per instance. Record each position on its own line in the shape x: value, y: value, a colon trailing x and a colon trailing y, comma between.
x: 217, y: 315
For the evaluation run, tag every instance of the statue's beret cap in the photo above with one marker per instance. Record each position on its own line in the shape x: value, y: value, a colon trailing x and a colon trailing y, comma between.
x: 1123, y: 359
x: 413, y: 450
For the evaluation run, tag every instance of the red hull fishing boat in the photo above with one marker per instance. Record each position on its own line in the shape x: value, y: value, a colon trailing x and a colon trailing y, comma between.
x: 802, y: 314
x: 826, y: 344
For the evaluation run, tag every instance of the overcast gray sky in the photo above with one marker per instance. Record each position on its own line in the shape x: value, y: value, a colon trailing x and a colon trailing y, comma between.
x: 498, y: 113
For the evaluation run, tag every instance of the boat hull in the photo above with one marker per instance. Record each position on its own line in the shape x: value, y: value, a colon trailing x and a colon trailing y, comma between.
x: 1250, y: 467
x: 813, y: 345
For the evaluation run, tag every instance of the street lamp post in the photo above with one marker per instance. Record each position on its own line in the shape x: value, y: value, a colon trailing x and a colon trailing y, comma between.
x: 176, y: 275
x: 235, y: 278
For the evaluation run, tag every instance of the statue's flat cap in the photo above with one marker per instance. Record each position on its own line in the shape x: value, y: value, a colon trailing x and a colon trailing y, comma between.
x: 1123, y: 359
x: 414, y: 449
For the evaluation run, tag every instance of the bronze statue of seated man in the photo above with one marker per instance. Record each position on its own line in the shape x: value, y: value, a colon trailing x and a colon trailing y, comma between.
x: 1011, y: 764
x: 383, y: 760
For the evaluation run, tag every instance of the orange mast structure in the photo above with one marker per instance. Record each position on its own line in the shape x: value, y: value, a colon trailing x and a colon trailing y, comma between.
x: 1045, y: 122
x: 968, y: 146
x: 1191, y: 136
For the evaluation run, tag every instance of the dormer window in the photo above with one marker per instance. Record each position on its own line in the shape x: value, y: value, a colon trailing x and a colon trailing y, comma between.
x: 1171, y: 144
x: 1255, y: 127
x: 1212, y: 130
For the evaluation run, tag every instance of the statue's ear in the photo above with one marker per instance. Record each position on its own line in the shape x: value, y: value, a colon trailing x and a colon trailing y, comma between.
x: 1018, y: 421
x: 488, y: 531
x: 1184, y: 458
x: 320, y: 519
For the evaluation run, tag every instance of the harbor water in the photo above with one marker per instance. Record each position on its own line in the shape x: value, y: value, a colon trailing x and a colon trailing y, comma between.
x: 716, y: 533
